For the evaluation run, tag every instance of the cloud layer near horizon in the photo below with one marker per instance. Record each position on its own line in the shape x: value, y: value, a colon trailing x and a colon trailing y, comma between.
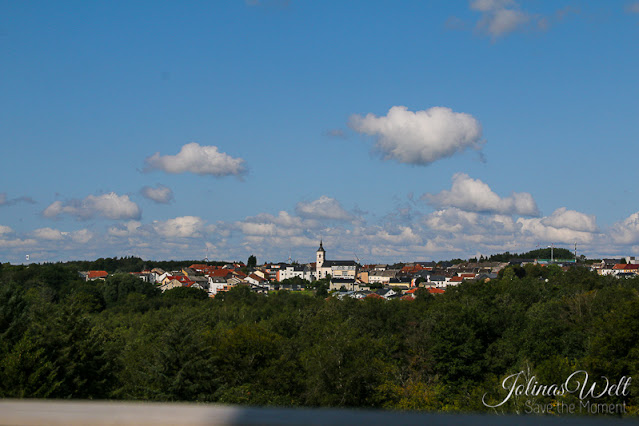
x: 415, y: 235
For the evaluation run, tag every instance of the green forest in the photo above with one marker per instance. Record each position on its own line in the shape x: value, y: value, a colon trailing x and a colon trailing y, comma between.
x: 121, y: 339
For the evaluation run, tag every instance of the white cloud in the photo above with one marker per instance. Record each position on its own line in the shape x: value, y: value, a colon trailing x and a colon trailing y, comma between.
x: 49, y: 234
x: 420, y: 137
x: 5, y: 230
x: 451, y: 220
x: 262, y: 229
x: 627, y: 230
x: 536, y: 229
x: 284, y: 220
x: 202, y: 160
x: 473, y: 195
x: 405, y: 235
x: 125, y: 230
x: 110, y: 206
x: 282, y: 225
x: 322, y: 208
x: 571, y: 219
x: 17, y: 243
x: 160, y: 194
x: 499, y: 17
x: 180, y: 227
x: 457, y: 221
x: 81, y: 236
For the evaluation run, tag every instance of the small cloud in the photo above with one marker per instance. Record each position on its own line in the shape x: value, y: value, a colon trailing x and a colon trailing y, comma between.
x: 499, y: 17
x: 160, y: 194
x: 456, y: 24
x: 566, y: 11
x: 274, y: 4
x: 473, y: 195
x: 4, y: 201
x: 5, y: 230
x: 110, y: 206
x: 201, y: 160
x: 420, y: 137
x: 543, y: 24
x: 125, y: 230
x: 336, y: 133
x: 322, y: 208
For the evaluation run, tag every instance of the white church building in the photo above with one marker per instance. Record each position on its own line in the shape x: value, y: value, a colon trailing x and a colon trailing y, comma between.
x: 340, y: 269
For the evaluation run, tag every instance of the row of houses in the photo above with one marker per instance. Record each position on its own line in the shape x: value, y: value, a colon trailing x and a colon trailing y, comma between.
x: 347, y: 277
x: 627, y: 267
x: 350, y: 275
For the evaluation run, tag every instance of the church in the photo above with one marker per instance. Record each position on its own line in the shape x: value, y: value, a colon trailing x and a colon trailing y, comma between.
x: 337, y: 269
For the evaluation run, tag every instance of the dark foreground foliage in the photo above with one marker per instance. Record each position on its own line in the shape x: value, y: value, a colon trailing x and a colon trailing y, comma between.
x: 61, y: 337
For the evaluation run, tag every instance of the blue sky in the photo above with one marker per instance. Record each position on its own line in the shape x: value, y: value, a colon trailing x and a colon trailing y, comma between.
x: 394, y: 131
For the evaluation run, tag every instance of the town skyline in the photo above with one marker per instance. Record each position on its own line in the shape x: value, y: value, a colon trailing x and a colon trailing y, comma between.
x: 419, y: 131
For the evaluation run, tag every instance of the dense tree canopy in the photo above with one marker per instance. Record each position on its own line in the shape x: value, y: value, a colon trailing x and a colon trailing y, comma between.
x: 61, y: 337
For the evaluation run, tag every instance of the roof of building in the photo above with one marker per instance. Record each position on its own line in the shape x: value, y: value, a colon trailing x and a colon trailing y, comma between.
x: 331, y: 263
x: 626, y: 266
x: 374, y: 296
x: 339, y: 280
x: 97, y: 274
x: 221, y: 272
x: 257, y: 278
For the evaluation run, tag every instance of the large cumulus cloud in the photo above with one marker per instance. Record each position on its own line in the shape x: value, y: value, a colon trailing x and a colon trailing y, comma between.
x: 420, y: 137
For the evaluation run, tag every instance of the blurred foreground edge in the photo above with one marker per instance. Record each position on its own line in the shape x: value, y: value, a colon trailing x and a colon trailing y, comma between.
x: 61, y: 412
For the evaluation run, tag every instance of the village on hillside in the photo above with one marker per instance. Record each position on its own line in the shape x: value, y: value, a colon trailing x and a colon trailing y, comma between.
x: 347, y: 278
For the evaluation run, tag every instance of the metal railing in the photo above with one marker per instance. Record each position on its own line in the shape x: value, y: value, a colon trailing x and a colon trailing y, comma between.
x: 62, y: 412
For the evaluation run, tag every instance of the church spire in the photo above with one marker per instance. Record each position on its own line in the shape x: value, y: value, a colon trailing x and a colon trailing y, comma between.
x: 321, y: 253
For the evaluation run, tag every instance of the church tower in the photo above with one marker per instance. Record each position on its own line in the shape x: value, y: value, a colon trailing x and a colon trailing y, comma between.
x: 321, y: 257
